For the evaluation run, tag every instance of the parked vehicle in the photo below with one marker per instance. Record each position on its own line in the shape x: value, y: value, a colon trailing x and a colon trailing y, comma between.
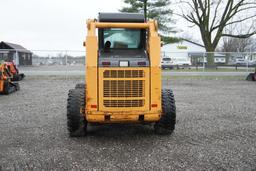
x: 241, y: 61
x: 251, y: 63
x: 16, y: 75
x: 167, y: 63
x: 185, y: 61
x: 6, y: 85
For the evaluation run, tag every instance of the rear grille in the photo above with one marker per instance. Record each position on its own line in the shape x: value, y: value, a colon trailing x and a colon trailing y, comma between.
x: 123, y: 74
x: 123, y: 88
x: 116, y: 90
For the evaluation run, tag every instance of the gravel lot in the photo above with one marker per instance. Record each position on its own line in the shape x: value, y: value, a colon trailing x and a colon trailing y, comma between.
x: 215, y: 130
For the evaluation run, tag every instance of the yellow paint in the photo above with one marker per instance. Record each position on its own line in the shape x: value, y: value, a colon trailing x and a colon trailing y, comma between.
x: 146, y: 95
x: 116, y: 117
x: 91, y: 70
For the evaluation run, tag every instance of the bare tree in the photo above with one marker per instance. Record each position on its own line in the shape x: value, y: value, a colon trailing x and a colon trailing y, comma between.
x: 233, y: 44
x: 213, y: 16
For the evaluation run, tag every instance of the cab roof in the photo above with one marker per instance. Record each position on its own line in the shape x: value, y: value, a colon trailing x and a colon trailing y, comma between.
x: 122, y: 17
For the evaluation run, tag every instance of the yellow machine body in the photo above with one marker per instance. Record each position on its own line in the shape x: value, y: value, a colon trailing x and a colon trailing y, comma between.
x: 105, y: 98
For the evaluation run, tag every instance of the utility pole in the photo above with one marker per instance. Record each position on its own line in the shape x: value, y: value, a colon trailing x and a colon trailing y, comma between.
x: 145, y: 4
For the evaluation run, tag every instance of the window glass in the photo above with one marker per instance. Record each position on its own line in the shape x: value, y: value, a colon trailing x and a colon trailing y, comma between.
x: 166, y: 59
x: 120, y: 38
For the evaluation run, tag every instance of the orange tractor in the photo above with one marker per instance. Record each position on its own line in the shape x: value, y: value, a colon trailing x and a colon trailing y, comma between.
x: 16, y: 76
x: 6, y: 85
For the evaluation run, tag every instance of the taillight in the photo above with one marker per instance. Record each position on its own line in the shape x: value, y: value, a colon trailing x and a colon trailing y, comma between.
x: 142, y: 63
x: 153, y: 105
x: 94, y: 106
x: 106, y: 63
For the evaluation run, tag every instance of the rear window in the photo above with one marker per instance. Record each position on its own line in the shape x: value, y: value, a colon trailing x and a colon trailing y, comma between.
x: 166, y: 59
x: 120, y: 38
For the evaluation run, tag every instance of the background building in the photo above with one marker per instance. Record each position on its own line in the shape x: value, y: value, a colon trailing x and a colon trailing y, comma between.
x: 184, y: 51
x: 16, y: 53
x: 187, y: 52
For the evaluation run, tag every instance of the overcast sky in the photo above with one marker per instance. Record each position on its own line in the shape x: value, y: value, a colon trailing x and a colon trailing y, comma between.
x: 50, y: 24
x: 53, y: 24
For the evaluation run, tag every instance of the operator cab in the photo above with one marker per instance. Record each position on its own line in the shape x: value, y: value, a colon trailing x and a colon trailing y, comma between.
x: 122, y: 47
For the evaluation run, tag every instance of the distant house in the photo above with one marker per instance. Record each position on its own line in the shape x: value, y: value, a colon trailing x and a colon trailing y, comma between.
x: 219, y: 58
x: 16, y: 53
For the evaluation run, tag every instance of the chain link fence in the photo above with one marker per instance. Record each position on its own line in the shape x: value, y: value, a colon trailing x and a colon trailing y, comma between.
x: 209, y: 62
x: 72, y: 63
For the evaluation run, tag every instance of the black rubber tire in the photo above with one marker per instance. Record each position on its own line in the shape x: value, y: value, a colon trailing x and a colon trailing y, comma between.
x: 166, y: 124
x: 251, y: 77
x: 16, y: 77
x: 80, y: 85
x: 76, y: 122
x: 7, y: 88
x: 17, y: 86
x: 10, y: 87
x: 22, y: 76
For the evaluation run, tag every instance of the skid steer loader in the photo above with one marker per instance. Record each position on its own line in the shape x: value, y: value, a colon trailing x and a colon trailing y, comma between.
x: 123, y: 77
x: 6, y: 85
x: 16, y: 75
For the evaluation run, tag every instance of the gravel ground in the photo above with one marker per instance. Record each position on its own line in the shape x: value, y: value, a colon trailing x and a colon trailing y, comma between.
x: 216, y: 128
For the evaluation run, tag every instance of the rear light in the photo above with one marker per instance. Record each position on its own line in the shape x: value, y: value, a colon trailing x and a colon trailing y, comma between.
x: 153, y: 105
x: 142, y: 63
x: 94, y: 106
x: 106, y: 63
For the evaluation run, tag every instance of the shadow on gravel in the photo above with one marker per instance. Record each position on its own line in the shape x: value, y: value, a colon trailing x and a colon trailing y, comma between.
x: 120, y: 133
x: 120, y: 130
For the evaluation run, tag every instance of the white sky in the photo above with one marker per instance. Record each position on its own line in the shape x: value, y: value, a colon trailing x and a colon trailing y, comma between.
x: 50, y: 24
x: 56, y: 24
